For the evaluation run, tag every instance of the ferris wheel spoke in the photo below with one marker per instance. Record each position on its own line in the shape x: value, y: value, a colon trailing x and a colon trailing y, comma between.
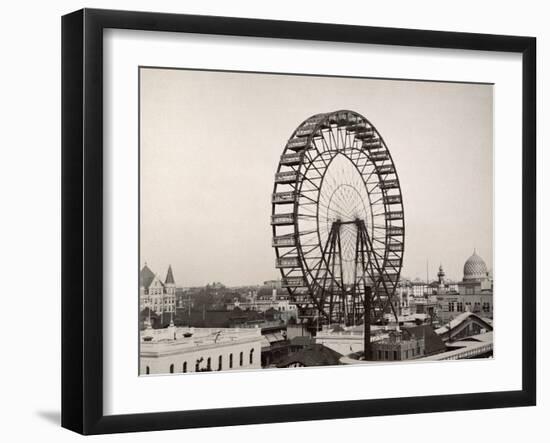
x: 371, y: 174
x: 326, y: 146
x: 307, y: 216
x: 335, y: 140
x: 327, y: 143
x: 336, y: 208
x: 329, y: 206
x: 337, y: 137
x: 318, y: 157
x: 311, y: 182
x: 371, y: 190
x: 310, y: 250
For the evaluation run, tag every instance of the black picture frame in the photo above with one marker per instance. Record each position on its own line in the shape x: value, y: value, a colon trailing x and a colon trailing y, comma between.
x: 82, y: 219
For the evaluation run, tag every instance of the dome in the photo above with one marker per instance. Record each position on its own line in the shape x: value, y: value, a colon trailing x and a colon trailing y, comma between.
x: 475, y: 268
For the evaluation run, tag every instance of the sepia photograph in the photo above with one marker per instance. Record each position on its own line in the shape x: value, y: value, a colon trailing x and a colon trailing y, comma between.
x: 291, y: 220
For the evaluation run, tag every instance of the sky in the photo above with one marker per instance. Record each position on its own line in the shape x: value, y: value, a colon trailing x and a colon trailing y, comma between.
x: 210, y: 144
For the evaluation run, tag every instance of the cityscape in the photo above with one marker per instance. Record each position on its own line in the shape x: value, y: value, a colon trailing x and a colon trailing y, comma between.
x: 338, y: 241
x: 215, y: 327
x: 312, y: 225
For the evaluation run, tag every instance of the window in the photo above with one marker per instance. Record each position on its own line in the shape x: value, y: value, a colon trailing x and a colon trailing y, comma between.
x: 230, y: 361
x: 241, y: 359
x: 172, y: 368
x: 197, y: 364
x: 386, y: 355
x: 460, y: 308
x: 251, y: 357
x: 147, y: 370
x: 395, y: 355
x: 220, y: 363
x: 184, y: 366
x: 209, y: 364
x: 379, y: 354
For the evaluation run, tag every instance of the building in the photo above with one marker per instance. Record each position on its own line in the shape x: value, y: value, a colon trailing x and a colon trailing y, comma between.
x: 443, y: 299
x: 398, y: 345
x: 348, y: 339
x: 178, y: 350
x: 275, y: 345
x: 312, y: 355
x: 300, y: 342
x: 464, y: 325
x: 267, y: 298
x: 466, y: 336
x: 273, y: 329
x: 220, y: 318
x: 426, y: 306
x: 475, y: 292
x: 408, y: 343
x: 476, y: 346
x: 157, y: 295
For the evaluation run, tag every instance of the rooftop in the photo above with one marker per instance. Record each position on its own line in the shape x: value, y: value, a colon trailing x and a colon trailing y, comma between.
x: 146, y: 277
x: 162, y: 341
x: 458, y: 320
x: 314, y: 355
x: 432, y: 342
x: 469, y: 347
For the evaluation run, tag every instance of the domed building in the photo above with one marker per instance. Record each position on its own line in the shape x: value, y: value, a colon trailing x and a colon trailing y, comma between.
x: 474, y: 293
x: 475, y: 269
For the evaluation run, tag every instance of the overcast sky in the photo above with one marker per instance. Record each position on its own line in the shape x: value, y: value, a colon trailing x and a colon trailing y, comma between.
x: 210, y: 145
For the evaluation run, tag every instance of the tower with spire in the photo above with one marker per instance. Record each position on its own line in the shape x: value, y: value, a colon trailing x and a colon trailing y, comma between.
x: 170, y: 288
x: 169, y: 282
x: 440, y: 279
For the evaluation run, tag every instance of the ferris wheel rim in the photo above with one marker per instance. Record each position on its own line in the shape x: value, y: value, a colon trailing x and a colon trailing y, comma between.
x: 320, y: 120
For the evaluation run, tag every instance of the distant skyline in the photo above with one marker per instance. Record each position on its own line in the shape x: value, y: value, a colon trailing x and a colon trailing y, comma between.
x: 432, y: 276
x: 210, y: 145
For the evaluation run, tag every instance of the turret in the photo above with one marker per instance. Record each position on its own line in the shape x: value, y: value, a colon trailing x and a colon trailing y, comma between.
x: 441, y: 278
x: 169, y: 282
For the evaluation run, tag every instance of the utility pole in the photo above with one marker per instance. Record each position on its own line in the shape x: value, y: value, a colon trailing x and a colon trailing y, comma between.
x: 427, y: 279
x: 366, y: 324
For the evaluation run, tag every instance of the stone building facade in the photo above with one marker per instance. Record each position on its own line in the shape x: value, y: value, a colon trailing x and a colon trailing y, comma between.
x: 179, y: 350
x: 155, y: 294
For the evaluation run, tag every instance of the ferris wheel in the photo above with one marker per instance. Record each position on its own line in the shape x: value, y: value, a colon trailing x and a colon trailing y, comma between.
x: 338, y: 220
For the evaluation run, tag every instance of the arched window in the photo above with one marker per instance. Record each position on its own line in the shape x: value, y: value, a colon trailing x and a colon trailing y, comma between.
x: 220, y: 363
x: 251, y: 357
x: 209, y: 364
x: 230, y: 361
x: 184, y: 366
x: 241, y: 359
x: 147, y: 370
x: 172, y: 368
